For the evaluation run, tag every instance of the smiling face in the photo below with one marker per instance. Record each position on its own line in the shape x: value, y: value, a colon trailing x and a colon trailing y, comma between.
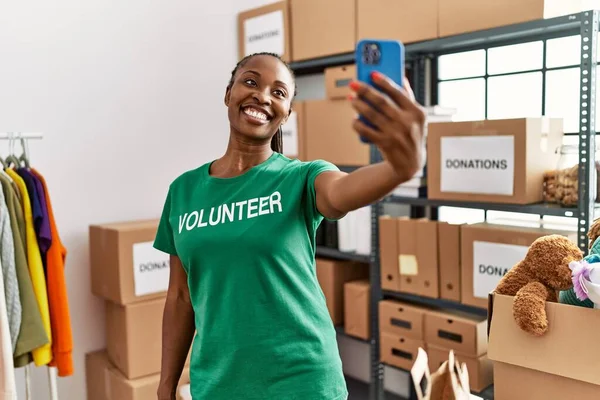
x: 260, y: 97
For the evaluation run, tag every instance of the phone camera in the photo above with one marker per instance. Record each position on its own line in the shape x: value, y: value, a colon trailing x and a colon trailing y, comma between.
x: 371, y: 54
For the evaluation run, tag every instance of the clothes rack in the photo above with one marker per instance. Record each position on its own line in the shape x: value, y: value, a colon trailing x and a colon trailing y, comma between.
x: 24, y: 137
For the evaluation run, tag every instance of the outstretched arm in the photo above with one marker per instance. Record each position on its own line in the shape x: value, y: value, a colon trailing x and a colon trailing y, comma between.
x: 399, y: 126
x: 529, y: 308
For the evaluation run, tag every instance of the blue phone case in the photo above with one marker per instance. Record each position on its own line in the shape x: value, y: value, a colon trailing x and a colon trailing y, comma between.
x: 387, y: 58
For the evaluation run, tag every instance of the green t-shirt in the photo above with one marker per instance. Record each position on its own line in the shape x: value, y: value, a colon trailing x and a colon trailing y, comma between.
x: 247, y: 244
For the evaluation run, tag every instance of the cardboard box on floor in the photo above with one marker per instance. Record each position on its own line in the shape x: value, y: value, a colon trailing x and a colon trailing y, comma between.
x: 332, y: 276
x: 562, y: 364
x: 134, y: 337
x: 125, y: 268
x: 481, y: 369
x: 489, y: 251
x: 449, y: 260
x: 105, y: 382
x: 464, y: 333
x: 456, y: 16
x: 329, y: 134
x: 402, y: 319
x: 322, y: 28
x: 404, y: 20
x: 418, y: 260
x: 293, y: 133
x: 265, y: 29
x: 499, y: 161
x: 388, y: 253
x: 356, y: 309
x: 337, y: 81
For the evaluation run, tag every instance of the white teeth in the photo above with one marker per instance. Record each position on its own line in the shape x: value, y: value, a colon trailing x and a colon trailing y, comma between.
x: 255, y: 114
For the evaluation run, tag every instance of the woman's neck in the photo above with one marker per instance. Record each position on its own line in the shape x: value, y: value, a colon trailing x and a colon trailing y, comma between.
x: 239, y: 158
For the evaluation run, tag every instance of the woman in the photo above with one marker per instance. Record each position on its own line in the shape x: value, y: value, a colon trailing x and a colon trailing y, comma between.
x: 241, y: 234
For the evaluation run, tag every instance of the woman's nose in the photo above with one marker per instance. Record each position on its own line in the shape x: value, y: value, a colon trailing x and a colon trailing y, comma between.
x: 262, y: 97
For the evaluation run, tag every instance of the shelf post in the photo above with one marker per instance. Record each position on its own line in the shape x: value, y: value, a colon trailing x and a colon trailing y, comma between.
x: 587, y: 123
x: 376, y: 389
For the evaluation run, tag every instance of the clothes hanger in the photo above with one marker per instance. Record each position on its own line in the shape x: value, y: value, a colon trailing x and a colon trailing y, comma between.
x: 25, y: 155
x: 11, y: 157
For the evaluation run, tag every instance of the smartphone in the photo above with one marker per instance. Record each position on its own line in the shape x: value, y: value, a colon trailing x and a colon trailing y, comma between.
x: 383, y: 56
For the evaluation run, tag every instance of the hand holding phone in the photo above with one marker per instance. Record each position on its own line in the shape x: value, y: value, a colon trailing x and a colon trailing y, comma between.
x: 389, y: 117
x: 385, y: 57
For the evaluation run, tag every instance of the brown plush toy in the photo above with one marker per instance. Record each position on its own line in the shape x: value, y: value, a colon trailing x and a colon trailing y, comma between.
x: 538, y: 278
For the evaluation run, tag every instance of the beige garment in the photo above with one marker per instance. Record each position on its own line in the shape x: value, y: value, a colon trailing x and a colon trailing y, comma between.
x: 8, y: 389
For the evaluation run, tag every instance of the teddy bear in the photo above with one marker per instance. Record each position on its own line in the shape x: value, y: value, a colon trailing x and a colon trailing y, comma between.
x: 569, y: 296
x: 538, y: 278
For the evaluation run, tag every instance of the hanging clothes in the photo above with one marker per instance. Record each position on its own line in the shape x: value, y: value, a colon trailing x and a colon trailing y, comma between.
x: 42, y: 229
x: 62, y: 343
x: 32, y: 334
x: 11, y: 284
x: 41, y: 355
x: 8, y: 389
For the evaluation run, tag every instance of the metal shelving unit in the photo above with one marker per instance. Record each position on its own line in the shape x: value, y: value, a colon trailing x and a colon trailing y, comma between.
x: 419, y: 56
x: 326, y: 252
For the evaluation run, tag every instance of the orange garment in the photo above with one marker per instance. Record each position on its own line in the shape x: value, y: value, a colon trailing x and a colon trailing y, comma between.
x: 62, y: 337
x: 41, y: 355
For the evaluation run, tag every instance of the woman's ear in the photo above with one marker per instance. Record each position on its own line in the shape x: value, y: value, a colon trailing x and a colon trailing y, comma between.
x: 287, y: 116
x: 227, y: 95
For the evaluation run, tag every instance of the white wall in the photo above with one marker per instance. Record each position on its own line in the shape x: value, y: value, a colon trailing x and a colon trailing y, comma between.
x: 129, y: 95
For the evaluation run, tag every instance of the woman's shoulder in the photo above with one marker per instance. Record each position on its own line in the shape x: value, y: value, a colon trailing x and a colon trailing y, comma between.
x: 191, y: 175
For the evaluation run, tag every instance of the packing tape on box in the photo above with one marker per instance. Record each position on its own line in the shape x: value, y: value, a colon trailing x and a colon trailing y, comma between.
x: 408, y: 264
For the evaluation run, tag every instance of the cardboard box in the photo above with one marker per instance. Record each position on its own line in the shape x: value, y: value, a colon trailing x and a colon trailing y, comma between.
x: 418, y: 260
x: 498, y: 161
x: 356, y: 309
x: 105, y: 382
x: 404, y: 20
x: 332, y: 276
x: 481, y: 369
x: 562, y: 364
x: 464, y: 333
x: 401, y: 319
x: 456, y: 16
x: 265, y: 29
x: 337, y: 81
x: 449, y: 261
x: 399, y: 351
x: 293, y: 133
x: 388, y: 253
x: 134, y: 337
x: 489, y: 252
x: 125, y: 268
x: 329, y: 134
x: 323, y: 28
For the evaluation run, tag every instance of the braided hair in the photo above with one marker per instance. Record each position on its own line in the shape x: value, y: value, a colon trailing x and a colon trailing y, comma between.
x: 277, y: 141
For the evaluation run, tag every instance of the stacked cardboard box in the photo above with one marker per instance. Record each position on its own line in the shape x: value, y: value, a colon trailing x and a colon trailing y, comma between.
x: 461, y: 263
x: 402, y: 332
x: 466, y: 335
x: 357, y: 315
x: 420, y: 257
x: 405, y: 327
x: 306, y: 29
x: 105, y: 382
x: 132, y: 277
x: 332, y: 276
x: 329, y: 134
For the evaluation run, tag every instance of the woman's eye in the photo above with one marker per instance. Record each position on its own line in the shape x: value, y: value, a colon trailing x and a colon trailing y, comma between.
x: 279, y: 93
x: 250, y: 82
